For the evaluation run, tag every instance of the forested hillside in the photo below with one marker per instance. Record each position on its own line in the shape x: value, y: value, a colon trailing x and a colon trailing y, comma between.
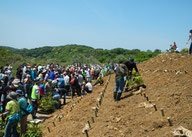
x: 7, y: 56
x: 70, y: 54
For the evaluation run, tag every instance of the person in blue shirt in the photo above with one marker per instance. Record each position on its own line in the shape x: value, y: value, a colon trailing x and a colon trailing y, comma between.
x: 33, y: 74
x: 52, y: 75
x: 61, y: 88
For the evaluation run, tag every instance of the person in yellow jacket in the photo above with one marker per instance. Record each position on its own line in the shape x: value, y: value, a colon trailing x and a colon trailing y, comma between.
x: 35, y: 96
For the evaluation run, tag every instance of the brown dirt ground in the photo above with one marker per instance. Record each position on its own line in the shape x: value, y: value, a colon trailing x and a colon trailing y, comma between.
x: 166, y: 87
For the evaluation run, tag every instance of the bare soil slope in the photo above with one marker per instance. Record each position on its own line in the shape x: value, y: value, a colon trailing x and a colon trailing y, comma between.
x: 168, y: 78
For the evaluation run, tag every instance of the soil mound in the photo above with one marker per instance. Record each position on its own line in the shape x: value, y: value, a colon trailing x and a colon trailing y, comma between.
x: 168, y: 78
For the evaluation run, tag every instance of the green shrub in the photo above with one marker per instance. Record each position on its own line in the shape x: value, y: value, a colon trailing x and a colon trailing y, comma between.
x: 2, y: 127
x: 47, y: 103
x: 136, y: 80
x: 34, y: 130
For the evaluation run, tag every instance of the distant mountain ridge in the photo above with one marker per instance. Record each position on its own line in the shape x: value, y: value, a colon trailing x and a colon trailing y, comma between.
x: 82, y: 54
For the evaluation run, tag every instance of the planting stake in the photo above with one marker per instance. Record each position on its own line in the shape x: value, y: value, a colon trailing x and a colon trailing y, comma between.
x: 144, y: 95
x: 95, y: 113
x: 147, y: 98
x: 48, y: 129
x: 54, y: 124
x: 150, y: 101
x: 155, y: 107
x: 89, y: 124
x: 100, y: 102
x: 92, y: 119
x: 86, y: 132
x: 162, y: 112
x: 96, y: 109
x: 170, y: 122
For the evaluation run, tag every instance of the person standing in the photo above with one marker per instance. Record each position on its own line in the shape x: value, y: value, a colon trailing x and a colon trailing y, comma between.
x: 23, y: 105
x: 12, y: 108
x: 121, y: 72
x: 190, y: 38
x: 35, y: 96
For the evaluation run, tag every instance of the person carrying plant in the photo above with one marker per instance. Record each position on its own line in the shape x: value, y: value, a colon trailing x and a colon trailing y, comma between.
x: 121, y: 72
x: 99, y: 80
x: 190, y: 38
x: 130, y: 66
x: 10, y: 114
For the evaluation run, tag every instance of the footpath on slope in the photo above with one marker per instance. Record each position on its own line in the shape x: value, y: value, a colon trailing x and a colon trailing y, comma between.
x: 71, y: 119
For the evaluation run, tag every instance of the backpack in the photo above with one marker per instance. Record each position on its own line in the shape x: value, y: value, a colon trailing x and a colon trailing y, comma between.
x: 28, y: 110
x: 121, y: 71
x: 14, y: 118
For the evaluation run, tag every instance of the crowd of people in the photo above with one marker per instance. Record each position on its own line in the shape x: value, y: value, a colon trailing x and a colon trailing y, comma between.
x: 173, y: 48
x: 32, y: 82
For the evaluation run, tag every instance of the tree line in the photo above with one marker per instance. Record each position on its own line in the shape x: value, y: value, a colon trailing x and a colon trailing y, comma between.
x: 70, y: 54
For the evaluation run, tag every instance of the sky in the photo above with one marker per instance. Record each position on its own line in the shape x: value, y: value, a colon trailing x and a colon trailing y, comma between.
x: 106, y: 24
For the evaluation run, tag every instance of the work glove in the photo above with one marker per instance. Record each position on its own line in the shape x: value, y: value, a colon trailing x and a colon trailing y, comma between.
x: 125, y: 78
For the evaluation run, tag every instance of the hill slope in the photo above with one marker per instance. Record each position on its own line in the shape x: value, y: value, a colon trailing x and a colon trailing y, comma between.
x: 83, y: 54
x: 9, y: 57
x: 168, y: 80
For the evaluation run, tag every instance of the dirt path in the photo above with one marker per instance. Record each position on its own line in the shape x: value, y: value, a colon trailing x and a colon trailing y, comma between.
x: 73, y: 119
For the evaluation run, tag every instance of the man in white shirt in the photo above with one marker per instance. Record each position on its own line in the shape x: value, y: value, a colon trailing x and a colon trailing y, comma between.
x: 67, y: 82
x: 88, y: 76
x: 88, y: 87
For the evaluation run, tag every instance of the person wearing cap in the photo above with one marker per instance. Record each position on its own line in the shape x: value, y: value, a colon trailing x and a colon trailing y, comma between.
x: 121, y: 72
x: 35, y: 96
x: 130, y: 66
x: 12, y: 108
x: 23, y: 105
x: 190, y: 38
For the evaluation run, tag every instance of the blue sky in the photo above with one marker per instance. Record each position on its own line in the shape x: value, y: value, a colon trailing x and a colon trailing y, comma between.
x: 107, y: 24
